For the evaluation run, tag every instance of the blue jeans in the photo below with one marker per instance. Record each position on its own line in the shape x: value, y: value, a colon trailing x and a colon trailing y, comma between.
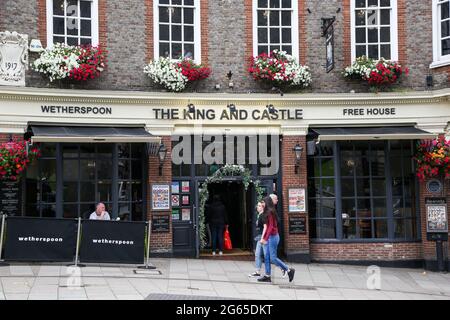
x: 217, y: 233
x: 270, y: 252
x: 259, y: 253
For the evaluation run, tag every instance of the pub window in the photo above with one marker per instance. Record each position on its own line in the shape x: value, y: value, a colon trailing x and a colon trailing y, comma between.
x: 41, y: 184
x: 70, y: 178
x: 177, y: 29
x: 73, y: 22
x: 374, y: 29
x: 363, y: 190
x: 275, y: 26
x: 441, y: 33
x: 321, y: 192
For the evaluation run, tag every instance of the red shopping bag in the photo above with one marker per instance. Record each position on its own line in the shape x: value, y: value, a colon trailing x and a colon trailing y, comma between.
x: 227, y: 240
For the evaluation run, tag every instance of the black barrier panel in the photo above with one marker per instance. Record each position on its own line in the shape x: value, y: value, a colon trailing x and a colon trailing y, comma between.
x: 112, y: 242
x: 40, y: 239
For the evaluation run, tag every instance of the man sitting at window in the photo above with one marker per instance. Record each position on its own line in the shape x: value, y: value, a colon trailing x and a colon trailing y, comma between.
x: 100, y: 213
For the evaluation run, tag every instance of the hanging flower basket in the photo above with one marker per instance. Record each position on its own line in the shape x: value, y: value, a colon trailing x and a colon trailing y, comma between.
x: 70, y: 63
x: 376, y: 73
x: 279, y: 70
x: 176, y: 75
x: 14, y: 159
x: 433, y: 159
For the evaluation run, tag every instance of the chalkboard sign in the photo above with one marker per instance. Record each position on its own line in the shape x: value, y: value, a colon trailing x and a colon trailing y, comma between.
x: 9, y: 198
x: 297, y: 225
x: 160, y: 224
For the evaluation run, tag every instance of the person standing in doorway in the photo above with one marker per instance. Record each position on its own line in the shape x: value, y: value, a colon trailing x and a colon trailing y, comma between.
x: 259, y: 251
x: 270, y: 240
x: 218, y: 220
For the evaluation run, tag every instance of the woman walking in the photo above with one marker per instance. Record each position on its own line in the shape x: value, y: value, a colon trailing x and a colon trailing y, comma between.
x: 259, y: 252
x: 270, y: 239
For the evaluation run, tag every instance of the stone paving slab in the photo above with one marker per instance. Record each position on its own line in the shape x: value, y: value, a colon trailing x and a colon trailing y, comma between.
x: 218, y: 278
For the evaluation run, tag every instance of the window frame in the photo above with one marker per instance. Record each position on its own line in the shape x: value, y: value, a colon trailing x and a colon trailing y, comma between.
x: 393, y: 26
x: 438, y: 59
x: 389, y: 217
x: 197, y: 31
x: 294, y: 28
x: 94, y: 23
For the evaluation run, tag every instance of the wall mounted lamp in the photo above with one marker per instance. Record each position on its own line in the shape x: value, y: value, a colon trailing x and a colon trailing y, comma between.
x: 298, y: 150
x: 162, y: 152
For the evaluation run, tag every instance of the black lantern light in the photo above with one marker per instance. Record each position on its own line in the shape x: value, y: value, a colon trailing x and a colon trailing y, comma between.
x: 298, y: 150
x: 162, y: 152
x: 271, y: 108
x: 232, y: 107
x: 191, y: 108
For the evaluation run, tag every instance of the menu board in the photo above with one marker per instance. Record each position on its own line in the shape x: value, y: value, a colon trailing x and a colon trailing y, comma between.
x: 161, y: 197
x: 9, y: 198
x: 160, y: 223
x: 297, y: 225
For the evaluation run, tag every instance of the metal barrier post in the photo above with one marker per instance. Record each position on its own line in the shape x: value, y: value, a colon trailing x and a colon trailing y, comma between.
x: 2, y: 234
x: 147, y: 258
x: 77, y: 250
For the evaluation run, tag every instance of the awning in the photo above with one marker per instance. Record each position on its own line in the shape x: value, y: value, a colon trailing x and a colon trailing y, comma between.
x: 370, y: 133
x: 92, y: 134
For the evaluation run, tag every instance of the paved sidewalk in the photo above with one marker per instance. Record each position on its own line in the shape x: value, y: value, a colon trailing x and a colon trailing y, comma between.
x: 185, y: 278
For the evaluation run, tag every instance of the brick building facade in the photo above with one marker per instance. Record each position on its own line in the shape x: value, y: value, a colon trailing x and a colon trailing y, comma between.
x: 392, y: 235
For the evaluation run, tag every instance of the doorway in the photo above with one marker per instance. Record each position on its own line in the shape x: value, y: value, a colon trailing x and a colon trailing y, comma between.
x: 236, y: 200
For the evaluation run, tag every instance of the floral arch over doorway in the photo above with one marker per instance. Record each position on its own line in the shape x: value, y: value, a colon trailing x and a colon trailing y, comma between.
x: 226, y: 171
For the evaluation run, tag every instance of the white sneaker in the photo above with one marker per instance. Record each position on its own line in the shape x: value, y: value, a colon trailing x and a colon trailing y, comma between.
x: 220, y: 253
x: 214, y: 253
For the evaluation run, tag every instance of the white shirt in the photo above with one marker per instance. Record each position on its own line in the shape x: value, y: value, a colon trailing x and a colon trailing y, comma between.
x: 94, y: 216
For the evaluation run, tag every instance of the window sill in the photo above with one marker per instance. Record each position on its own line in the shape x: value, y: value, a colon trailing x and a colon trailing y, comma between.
x: 438, y: 64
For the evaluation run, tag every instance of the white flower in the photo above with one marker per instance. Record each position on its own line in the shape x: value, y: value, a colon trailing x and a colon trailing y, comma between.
x: 166, y: 73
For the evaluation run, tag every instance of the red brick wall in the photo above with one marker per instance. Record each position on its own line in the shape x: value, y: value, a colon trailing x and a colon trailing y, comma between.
x: 297, y: 243
x: 248, y: 29
x: 401, y: 9
x: 204, y: 16
x: 149, y: 29
x: 102, y: 25
x: 42, y: 22
x: 160, y: 240
x: 347, y: 42
x: 366, y: 251
x: 302, y: 31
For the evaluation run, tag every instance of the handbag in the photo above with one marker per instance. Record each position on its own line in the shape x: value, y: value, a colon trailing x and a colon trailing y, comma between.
x: 227, y: 240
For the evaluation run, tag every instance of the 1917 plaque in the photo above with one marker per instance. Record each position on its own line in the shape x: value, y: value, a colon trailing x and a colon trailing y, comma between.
x: 9, y: 198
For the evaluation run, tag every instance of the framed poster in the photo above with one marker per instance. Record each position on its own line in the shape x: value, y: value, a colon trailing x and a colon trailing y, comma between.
x: 185, y: 187
x: 175, y: 187
x: 176, y: 214
x: 160, y: 197
x: 297, y: 200
x: 436, y: 209
x: 185, y: 200
x: 175, y: 200
x: 186, y: 214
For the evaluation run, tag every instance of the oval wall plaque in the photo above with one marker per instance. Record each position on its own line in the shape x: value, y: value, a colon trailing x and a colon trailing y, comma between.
x: 434, y: 186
